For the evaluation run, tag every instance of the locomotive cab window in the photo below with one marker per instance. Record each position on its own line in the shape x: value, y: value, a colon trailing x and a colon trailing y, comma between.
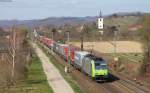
x: 100, y: 65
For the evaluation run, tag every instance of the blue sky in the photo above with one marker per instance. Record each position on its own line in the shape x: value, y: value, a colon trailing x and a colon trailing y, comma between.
x: 37, y: 9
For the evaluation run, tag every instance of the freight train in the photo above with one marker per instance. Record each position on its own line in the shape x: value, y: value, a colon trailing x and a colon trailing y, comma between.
x: 93, y: 66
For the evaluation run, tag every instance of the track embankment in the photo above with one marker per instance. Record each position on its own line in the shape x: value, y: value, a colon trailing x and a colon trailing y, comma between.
x: 113, y: 85
x: 55, y: 80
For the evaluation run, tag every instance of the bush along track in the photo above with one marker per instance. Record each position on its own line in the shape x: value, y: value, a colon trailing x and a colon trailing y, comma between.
x: 36, y: 81
x: 60, y: 67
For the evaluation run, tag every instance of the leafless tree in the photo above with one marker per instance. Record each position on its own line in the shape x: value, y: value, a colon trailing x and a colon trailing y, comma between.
x: 12, y: 52
x: 145, y: 37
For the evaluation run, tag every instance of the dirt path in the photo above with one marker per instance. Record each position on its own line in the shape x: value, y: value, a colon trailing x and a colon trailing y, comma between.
x: 55, y: 80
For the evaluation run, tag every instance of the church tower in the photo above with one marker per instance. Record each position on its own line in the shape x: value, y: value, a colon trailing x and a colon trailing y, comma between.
x: 100, y: 22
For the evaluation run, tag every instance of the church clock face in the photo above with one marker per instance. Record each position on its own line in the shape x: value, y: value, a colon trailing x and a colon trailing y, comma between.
x: 100, y: 23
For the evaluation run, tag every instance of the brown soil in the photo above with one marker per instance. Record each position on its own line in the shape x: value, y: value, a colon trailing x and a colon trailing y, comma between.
x: 108, y: 47
x: 145, y: 78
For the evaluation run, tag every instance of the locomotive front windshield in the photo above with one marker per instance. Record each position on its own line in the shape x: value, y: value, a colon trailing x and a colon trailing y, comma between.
x: 100, y: 65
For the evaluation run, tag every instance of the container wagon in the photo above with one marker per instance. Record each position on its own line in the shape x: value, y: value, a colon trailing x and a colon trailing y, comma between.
x: 55, y: 47
x: 49, y: 42
x: 79, y: 55
x: 63, y: 50
x: 66, y: 51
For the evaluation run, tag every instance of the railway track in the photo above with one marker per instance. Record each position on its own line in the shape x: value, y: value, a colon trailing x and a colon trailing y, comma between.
x: 132, y: 86
x: 114, y: 86
x: 126, y: 86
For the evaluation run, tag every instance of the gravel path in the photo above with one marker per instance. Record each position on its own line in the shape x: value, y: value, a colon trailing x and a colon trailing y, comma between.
x: 55, y: 80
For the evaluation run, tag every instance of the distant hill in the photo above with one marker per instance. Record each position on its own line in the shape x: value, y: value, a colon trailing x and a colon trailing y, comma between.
x: 122, y: 14
x: 3, y: 33
x: 57, y: 21
x: 48, y: 21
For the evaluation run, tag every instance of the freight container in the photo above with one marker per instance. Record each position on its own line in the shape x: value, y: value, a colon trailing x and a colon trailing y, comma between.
x: 79, y: 55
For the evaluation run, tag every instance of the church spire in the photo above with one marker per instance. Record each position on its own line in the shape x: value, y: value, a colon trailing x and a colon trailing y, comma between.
x: 100, y: 14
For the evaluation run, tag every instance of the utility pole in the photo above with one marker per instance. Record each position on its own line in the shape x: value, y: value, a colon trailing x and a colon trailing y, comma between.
x: 115, y: 44
x: 53, y: 31
x: 115, y: 31
x: 69, y: 58
x: 82, y: 38
x: 68, y: 37
x: 67, y: 68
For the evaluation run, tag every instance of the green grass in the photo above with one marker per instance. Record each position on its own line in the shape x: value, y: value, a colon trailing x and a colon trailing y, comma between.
x: 37, y: 78
x: 130, y: 57
x: 36, y: 81
x: 66, y: 76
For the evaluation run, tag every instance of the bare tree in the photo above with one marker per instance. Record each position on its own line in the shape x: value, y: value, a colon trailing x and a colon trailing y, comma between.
x: 145, y: 37
x: 82, y: 38
x: 12, y: 52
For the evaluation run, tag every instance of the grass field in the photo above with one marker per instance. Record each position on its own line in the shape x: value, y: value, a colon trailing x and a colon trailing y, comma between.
x: 130, y: 57
x: 35, y: 83
x: 66, y: 76
x: 108, y: 47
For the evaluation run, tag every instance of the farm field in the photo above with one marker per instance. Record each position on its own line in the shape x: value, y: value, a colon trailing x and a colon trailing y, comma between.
x: 129, y: 54
x: 108, y: 47
x: 131, y: 57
